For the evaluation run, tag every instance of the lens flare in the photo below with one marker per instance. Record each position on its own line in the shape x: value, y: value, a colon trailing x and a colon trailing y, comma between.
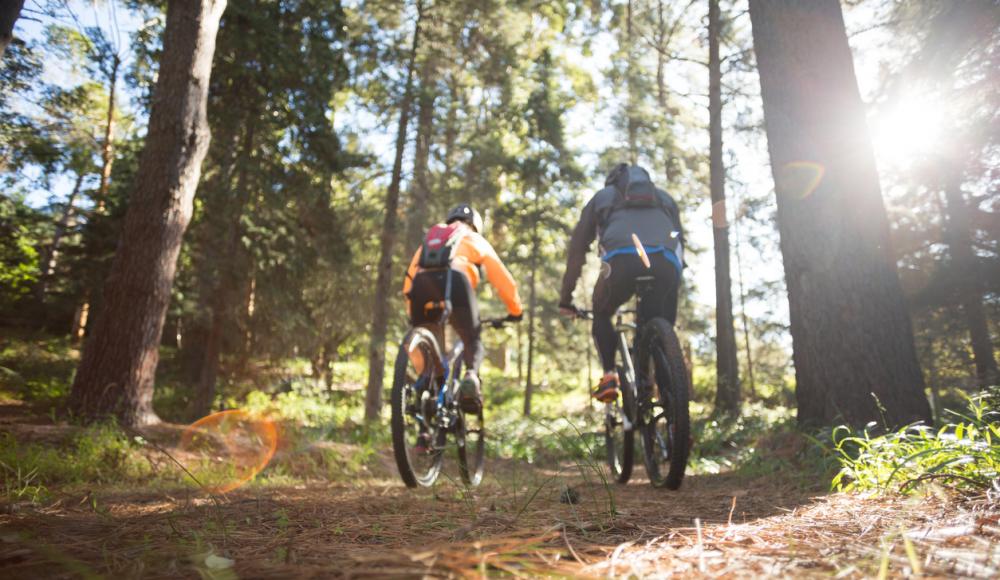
x: 800, y: 179
x: 641, y: 250
x: 230, y: 447
x: 416, y: 355
x: 910, y: 130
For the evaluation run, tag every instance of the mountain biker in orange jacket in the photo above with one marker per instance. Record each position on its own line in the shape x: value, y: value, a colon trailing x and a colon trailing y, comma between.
x: 426, y: 287
x: 628, y: 205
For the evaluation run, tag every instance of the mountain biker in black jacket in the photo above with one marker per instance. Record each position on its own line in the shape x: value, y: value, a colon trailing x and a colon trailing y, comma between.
x: 629, y: 204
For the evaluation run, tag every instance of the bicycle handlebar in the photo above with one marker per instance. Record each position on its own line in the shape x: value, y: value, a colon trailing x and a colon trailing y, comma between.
x: 582, y: 313
x: 589, y: 314
x: 495, y: 322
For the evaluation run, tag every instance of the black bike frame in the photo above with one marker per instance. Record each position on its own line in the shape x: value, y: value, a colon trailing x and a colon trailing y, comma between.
x: 645, y: 285
x: 453, y: 360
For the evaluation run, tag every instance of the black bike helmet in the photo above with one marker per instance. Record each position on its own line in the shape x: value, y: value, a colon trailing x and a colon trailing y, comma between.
x: 464, y: 212
x: 616, y: 174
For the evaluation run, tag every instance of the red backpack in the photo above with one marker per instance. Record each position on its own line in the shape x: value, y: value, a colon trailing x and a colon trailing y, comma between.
x: 440, y: 243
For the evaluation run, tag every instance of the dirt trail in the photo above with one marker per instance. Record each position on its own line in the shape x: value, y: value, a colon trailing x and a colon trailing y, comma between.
x: 516, y: 523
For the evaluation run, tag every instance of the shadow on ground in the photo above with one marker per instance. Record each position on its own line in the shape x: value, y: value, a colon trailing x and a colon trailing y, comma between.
x: 373, y: 525
x: 524, y: 520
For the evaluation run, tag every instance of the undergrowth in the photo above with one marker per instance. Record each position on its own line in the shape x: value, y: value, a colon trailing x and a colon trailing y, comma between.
x: 100, y: 454
x: 323, y: 436
x: 963, y: 454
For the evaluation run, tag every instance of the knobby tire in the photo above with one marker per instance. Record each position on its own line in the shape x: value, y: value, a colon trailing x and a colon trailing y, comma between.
x: 411, y: 475
x: 666, y: 429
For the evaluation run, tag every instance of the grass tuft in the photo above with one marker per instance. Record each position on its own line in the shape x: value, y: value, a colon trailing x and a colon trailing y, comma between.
x: 963, y: 454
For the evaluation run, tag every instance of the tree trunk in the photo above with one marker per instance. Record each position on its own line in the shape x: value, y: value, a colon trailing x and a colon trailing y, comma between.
x: 529, y: 385
x: 520, y: 353
x: 727, y: 392
x: 743, y: 314
x: 118, y: 366
x: 108, y: 148
x: 52, y: 255
x: 960, y: 248
x: 931, y: 359
x: 420, y: 189
x: 80, y: 318
x: 451, y: 129
x: 661, y: 57
x: 9, y: 12
x: 380, y: 319
x: 852, y: 340
x: 232, y: 272
x: 632, y: 102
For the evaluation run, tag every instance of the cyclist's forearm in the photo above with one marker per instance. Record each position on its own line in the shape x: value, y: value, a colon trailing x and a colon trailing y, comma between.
x: 576, y: 252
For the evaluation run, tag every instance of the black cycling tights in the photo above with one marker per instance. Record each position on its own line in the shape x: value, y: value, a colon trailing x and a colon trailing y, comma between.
x: 429, y: 287
x: 616, y: 284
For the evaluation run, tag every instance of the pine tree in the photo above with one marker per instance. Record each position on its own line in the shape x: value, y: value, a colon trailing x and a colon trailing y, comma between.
x: 727, y: 393
x: 118, y: 366
x: 852, y: 341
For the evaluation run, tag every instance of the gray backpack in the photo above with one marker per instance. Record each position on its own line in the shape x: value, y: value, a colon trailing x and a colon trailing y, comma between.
x: 633, y: 189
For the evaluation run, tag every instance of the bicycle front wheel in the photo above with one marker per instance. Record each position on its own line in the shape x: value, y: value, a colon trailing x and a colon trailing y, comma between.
x: 666, y: 423
x: 418, y: 440
x: 619, y: 442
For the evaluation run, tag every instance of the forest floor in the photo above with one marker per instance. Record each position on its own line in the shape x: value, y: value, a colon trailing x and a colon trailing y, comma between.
x: 518, y: 522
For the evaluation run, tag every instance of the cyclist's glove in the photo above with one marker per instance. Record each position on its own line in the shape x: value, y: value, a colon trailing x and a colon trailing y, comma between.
x: 514, y: 318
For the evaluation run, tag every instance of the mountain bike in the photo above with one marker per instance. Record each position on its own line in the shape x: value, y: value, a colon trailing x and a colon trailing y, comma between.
x: 653, y: 386
x: 425, y: 408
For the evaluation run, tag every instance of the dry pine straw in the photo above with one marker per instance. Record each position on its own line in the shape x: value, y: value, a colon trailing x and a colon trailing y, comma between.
x: 719, y: 526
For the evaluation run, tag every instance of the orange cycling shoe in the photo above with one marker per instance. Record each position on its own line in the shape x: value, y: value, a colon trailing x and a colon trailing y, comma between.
x: 607, y: 389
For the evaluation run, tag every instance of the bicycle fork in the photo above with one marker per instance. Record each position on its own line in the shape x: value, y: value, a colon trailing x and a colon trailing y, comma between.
x: 629, y: 372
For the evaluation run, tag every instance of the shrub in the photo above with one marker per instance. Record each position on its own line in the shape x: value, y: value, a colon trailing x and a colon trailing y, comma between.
x: 964, y: 454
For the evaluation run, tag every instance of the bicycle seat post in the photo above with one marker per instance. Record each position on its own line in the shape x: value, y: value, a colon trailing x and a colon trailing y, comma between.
x: 645, y: 286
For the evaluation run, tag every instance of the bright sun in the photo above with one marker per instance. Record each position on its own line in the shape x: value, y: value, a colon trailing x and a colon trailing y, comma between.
x: 908, y: 131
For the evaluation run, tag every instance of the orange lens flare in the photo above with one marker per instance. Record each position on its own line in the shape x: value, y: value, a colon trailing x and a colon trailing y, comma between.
x: 416, y: 356
x: 800, y: 179
x: 230, y: 448
x: 641, y: 250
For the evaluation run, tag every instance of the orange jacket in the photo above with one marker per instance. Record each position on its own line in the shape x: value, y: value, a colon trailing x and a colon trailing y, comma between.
x: 473, y: 250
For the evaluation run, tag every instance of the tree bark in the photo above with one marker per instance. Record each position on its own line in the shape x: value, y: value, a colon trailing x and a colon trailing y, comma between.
x: 232, y: 272
x: 727, y: 393
x: 118, y: 366
x: 529, y: 384
x: 661, y: 57
x: 52, y: 254
x: 630, y: 72
x: 450, y: 133
x: 420, y: 189
x: 960, y: 248
x: 380, y: 319
x: 853, y: 348
x: 10, y: 10
x: 743, y: 314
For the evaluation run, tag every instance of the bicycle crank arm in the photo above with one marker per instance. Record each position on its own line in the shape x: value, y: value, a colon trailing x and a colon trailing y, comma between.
x: 626, y: 424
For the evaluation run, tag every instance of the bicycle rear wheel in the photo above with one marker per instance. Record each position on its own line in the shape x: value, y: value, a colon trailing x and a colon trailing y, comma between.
x: 417, y: 440
x: 665, y: 424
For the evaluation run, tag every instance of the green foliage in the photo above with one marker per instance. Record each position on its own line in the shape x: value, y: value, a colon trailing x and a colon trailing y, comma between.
x: 36, y: 369
x: 964, y: 454
x: 18, y: 257
x: 100, y: 454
